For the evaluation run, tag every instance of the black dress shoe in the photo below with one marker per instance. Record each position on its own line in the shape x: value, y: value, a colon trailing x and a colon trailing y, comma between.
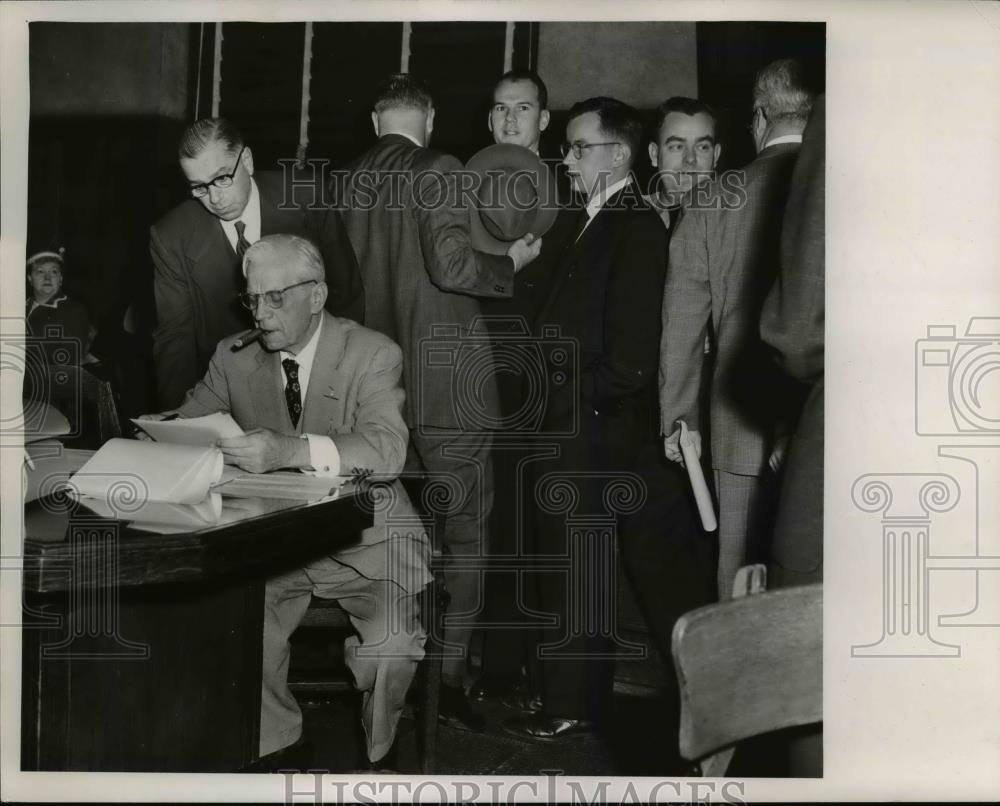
x: 454, y: 710
x: 386, y: 765
x: 522, y: 701
x: 541, y: 728
x: 296, y: 756
x: 486, y: 688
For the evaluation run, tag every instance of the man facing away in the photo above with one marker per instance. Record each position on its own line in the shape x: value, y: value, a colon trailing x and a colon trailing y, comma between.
x: 197, y: 250
x: 722, y: 263
x: 322, y: 395
x: 410, y: 231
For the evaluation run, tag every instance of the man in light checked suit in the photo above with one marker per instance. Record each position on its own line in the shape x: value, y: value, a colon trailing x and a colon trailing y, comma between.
x: 723, y: 261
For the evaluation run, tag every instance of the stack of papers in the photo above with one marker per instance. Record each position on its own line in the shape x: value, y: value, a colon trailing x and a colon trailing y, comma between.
x: 153, y: 483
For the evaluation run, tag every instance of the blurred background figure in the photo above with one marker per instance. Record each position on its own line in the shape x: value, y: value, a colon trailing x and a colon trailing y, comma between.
x: 50, y: 315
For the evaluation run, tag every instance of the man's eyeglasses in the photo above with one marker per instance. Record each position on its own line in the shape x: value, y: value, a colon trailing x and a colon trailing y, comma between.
x: 577, y: 148
x: 273, y: 299
x: 224, y: 181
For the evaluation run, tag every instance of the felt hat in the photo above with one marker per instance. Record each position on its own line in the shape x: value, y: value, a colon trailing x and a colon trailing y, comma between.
x: 515, y: 194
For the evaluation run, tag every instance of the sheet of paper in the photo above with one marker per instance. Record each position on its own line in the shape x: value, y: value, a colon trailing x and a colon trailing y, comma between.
x: 43, y: 421
x: 202, y: 431
x: 149, y: 471
x: 699, y: 487
x: 292, y: 486
x: 160, y: 516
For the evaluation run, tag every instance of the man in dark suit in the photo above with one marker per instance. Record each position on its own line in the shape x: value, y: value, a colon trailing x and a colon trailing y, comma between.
x: 409, y: 227
x: 792, y: 323
x: 605, y: 296
x: 518, y: 116
x: 197, y: 248
x: 723, y: 260
x: 322, y: 394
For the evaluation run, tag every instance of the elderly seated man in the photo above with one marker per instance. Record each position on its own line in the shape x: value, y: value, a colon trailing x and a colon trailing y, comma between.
x: 322, y: 394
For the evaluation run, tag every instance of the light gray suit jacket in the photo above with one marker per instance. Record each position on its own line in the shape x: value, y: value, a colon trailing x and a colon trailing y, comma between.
x: 722, y: 263
x: 355, y: 398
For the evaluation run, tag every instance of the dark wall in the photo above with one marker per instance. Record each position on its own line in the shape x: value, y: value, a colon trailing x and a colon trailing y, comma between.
x: 730, y: 54
x: 108, y: 102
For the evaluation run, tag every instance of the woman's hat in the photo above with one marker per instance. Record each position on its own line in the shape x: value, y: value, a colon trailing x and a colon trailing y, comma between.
x: 515, y: 195
x: 47, y: 256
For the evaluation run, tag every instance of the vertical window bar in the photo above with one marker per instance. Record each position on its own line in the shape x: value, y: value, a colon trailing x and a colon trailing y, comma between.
x: 404, y: 56
x: 217, y: 71
x: 197, y: 80
x: 508, y: 47
x: 300, y: 153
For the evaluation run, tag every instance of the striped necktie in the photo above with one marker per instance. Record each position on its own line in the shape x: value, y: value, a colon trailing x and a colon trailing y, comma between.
x: 242, y: 244
x: 293, y: 392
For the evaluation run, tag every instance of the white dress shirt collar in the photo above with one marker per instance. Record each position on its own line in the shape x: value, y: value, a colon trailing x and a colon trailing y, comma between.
x: 600, y: 199
x: 409, y: 137
x: 785, y: 138
x: 250, y: 218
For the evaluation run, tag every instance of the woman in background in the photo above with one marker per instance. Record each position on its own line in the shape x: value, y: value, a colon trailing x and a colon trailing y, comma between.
x: 59, y: 323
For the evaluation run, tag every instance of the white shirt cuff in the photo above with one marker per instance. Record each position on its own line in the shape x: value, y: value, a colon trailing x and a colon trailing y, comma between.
x: 323, y: 456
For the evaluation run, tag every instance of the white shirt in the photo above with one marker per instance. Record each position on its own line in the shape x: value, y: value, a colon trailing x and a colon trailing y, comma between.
x: 250, y: 217
x: 409, y: 137
x: 323, y: 454
x: 785, y: 138
x: 597, y: 202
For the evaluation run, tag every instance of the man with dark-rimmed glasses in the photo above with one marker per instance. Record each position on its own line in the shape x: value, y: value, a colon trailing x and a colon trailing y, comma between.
x: 197, y: 248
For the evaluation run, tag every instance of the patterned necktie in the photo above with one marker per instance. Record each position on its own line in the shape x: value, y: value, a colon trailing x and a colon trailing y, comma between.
x: 293, y: 392
x: 242, y: 244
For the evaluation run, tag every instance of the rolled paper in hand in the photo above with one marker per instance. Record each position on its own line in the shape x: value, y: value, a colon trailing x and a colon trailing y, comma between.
x: 701, y: 494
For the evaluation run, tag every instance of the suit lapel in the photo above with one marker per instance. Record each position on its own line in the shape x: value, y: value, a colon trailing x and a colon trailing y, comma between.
x: 267, y: 393
x: 324, y: 403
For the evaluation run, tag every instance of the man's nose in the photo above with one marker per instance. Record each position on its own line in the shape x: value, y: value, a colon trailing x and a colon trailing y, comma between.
x: 689, y: 157
x: 215, y: 194
x: 509, y: 116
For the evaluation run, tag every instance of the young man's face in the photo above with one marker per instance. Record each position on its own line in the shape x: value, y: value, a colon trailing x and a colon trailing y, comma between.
x: 216, y: 160
x: 515, y: 116
x: 685, y: 151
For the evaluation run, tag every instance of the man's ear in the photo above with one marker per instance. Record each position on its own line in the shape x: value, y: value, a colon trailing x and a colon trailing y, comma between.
x: 654, y: 154
x: 248, y: 160
x: 543, y: 120
x: 489, y: 119
x: 718, y: 151
x: 375, y: 124
x: 622, y: 155
x: 319, y: 294
x: 429, y: 125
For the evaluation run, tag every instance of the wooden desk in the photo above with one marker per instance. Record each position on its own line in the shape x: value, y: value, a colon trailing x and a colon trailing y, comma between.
x: 142, y: 651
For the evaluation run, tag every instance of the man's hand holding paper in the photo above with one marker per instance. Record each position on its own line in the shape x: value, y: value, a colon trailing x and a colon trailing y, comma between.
x: 262, y: 450
x: 672, y: 448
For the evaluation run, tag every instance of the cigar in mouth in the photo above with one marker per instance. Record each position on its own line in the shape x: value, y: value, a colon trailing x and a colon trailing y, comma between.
x: 247, y: 339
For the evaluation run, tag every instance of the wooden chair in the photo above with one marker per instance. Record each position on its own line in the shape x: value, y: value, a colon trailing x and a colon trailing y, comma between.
x: 329, y: 616
x: 88, y: 402
x: 747, y: 667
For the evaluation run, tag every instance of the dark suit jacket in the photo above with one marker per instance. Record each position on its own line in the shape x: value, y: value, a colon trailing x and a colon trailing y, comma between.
x: 197, y: 277
x: 723, y: 260
x: 410, y: 233
x: 354, y: 397
x: 605, y: 294
x: 793, y: 324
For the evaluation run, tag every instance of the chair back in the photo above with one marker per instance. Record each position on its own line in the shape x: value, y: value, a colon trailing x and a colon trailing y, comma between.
x: 88, y: 402
x: 747, y: 667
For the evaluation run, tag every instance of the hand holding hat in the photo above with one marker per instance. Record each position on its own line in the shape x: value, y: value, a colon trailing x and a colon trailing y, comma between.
x: 515, y: 202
